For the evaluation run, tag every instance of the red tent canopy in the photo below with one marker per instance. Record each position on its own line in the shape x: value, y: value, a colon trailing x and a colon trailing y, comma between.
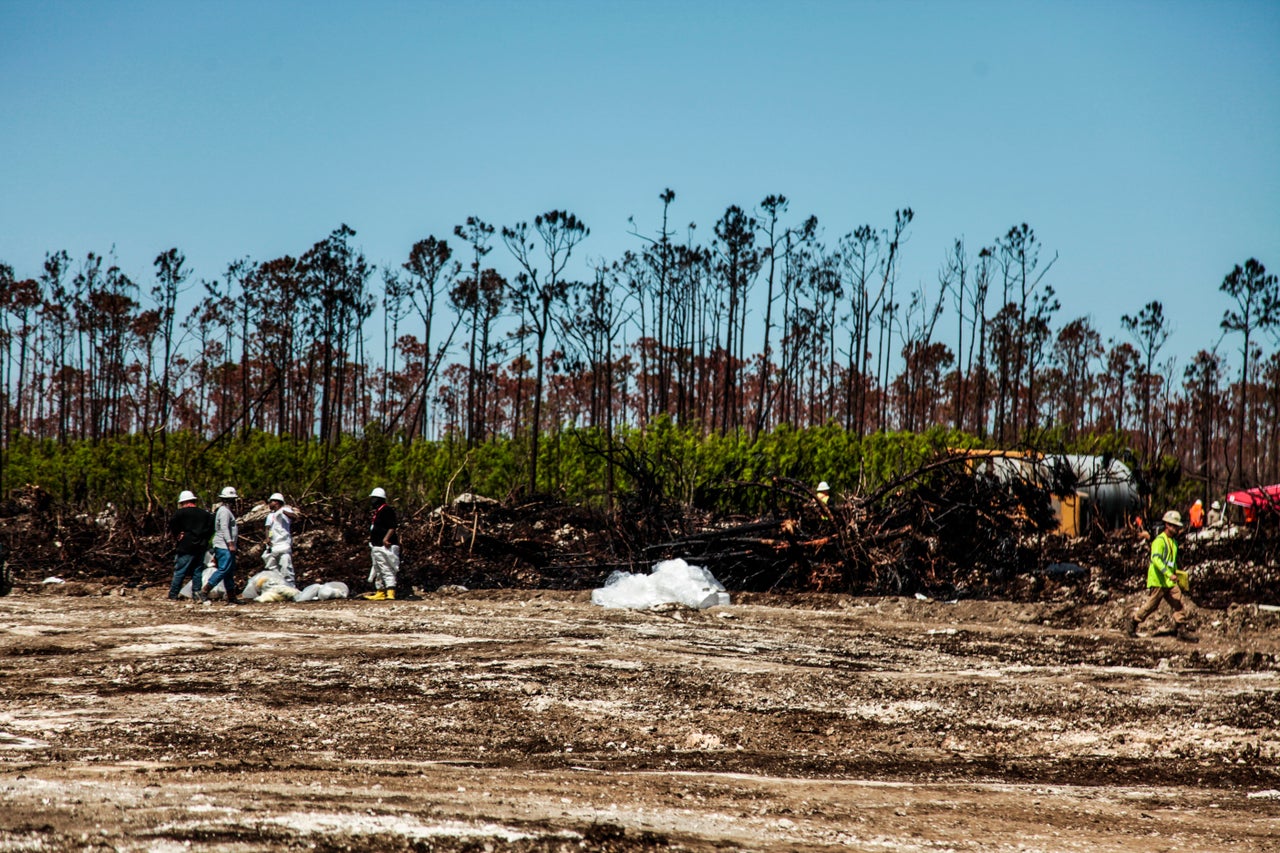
x: 1262, y: 497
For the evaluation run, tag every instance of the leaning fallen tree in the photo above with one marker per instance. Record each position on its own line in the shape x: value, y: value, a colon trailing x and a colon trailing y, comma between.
x: 936, y: 529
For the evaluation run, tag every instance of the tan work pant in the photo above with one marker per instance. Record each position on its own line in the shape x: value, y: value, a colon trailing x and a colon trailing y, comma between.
x: 1155, y: 595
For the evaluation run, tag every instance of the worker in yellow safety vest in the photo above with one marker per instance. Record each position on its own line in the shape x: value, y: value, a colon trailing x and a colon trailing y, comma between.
x: 1164, y: 581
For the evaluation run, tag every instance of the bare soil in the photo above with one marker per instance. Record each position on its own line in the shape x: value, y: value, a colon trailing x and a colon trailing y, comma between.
x: 534, y: 720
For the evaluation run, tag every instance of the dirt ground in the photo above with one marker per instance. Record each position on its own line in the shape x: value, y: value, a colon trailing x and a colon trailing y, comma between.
x: 531, y: 721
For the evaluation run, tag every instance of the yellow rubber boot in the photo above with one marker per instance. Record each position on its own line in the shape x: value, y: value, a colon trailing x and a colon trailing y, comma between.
x: 391, y: 595
x: 376, y: 596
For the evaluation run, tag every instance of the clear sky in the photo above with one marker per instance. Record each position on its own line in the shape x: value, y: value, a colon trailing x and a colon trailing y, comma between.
x: 1141, y: 140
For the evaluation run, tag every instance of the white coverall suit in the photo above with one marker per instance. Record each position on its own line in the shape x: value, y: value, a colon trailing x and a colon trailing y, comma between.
x: 385, y: 566
x: 278, y: 554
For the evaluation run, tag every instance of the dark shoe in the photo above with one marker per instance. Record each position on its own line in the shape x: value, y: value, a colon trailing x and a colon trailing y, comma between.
x: 1186, y: 635
x: 234, y: 600
x: 1131, y: 627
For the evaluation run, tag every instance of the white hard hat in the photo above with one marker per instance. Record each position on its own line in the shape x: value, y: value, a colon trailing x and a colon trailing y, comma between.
x: 823, y: 487
x: 228, y: 494
x: 379, y: 492
x: 187, y: 495
x: 1199, y: 501
x: 1173, y: 517
x: 276, y: 496
x: 1216, y: 505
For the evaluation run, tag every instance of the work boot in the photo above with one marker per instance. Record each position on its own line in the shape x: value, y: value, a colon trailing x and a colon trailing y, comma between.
x: 203, y: 595
x: 1186, y: 635
x: 391, y: 595
x: 376, y: 596
x: 1131, y: 627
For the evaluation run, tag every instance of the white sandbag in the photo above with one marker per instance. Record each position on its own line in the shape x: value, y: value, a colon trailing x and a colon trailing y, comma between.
x: 280, y: 592
x: 268, y: 586
x: 333, y: 590
x: 254, y: 585
x: 218, y: 591
x: 323, y: 591
x: 308, y: 593
x: 671, y: 582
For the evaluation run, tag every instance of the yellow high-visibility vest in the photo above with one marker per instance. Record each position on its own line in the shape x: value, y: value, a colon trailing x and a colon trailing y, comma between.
x: 1164, y: 562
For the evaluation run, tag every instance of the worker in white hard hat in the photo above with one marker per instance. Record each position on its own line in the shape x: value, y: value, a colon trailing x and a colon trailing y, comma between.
x: 1163, y: 580
x: 193, y: 528
x: 384, y: 547
x: 226, y: 538
x: 824, y: 492
x: 1214, y: 517
x: 278, y: 555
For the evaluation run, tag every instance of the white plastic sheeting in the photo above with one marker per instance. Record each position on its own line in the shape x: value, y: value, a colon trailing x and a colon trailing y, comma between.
x: 671, y: 582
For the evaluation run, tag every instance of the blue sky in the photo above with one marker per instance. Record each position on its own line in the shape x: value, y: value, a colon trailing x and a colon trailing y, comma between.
x: 1141, y: 140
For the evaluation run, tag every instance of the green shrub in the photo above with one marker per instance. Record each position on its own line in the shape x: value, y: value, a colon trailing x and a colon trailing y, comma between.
x: 677, y: 464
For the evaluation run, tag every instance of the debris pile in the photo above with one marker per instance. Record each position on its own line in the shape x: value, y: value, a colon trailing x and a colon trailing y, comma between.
x: 938, y: 533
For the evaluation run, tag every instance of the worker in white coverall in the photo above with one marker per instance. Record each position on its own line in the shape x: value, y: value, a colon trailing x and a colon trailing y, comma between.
x: 278, y: 555
x: 384, y: 547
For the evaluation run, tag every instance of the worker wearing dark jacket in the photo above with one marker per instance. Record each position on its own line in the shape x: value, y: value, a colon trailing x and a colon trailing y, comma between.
x: 193, y: 527
x: 384, y: 547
